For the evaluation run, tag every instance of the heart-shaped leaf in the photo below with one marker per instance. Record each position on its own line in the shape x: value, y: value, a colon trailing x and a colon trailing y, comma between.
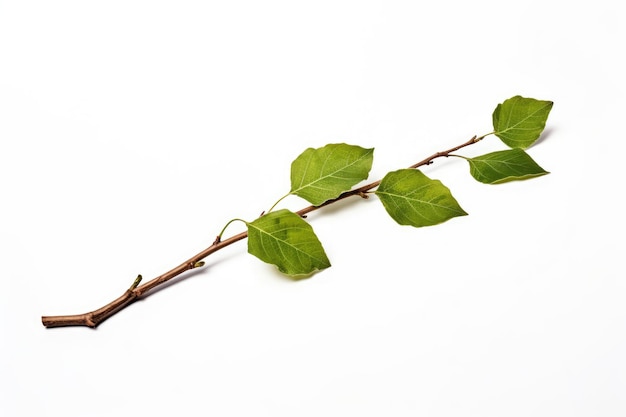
x: 503, y: 166
x: 284, y: 239
x: 411, y: 198
x: 519, y: 121
x: 321, y: 174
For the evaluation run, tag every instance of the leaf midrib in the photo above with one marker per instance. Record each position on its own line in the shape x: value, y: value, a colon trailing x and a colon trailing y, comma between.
x: 404, y: 197
x: 330, y: 175
x: 521, y: 121
x: 283, y: 241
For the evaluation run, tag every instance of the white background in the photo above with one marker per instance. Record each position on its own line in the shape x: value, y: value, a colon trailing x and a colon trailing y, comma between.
x: 132, y: 131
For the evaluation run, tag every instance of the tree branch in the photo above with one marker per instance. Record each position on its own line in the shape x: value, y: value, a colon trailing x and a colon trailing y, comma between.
x: 136, y: 291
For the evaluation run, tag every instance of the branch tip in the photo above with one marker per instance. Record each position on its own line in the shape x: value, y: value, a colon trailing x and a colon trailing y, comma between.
x: 136, y: 282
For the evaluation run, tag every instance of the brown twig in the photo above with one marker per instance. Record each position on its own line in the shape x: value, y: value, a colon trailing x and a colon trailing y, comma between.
x: 136, y: 291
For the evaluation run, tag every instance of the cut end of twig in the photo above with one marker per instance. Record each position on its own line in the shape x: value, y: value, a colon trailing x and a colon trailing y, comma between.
x: 73, y: 320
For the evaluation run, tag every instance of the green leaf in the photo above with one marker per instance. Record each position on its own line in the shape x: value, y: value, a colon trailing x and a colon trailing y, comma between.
x: 319, y: 175
x: 411, y: 198
x: 519, y: 121
x: 503, y: 166
x: 284, y: 239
